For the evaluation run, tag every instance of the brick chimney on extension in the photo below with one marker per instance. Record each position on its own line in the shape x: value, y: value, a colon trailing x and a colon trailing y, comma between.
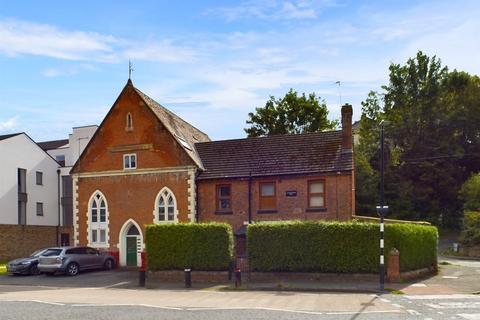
x: 347, y: 112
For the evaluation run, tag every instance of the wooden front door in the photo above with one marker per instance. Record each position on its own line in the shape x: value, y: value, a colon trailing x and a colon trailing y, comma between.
x: 132, y: 251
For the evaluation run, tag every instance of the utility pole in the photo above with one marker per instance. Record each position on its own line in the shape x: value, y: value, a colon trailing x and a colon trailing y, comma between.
x: 382, y: 209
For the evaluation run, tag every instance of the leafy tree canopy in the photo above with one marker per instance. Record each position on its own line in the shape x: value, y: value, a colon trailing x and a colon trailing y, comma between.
x: 432, y: 139
x: 290, y: 114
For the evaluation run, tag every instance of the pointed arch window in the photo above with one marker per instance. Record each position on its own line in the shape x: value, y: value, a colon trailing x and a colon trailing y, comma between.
x: 98, y: 220
x: 166, y: 207
x: 129, y: 122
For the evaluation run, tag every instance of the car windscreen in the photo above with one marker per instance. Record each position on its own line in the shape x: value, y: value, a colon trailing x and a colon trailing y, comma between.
x: 52, y: 252
x: 37, y: 253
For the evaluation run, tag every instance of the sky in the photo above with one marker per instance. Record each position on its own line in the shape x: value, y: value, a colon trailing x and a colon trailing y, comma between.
x: 63, y: 63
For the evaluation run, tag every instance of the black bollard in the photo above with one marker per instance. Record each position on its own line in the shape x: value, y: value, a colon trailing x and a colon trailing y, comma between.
x: 231, y: 266
x: 141, y: 277
x: 238, y: 278
x: 188, y: 278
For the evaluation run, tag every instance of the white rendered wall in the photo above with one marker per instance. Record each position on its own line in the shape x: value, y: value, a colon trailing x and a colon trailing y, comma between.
x: 21, y: 152
x: 78, y: 140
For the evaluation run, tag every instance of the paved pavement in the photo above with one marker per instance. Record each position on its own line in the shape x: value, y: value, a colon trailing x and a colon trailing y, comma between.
x: 115, y: 295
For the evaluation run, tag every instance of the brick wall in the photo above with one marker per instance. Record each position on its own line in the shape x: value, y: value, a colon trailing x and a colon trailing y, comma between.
x: 130, y: 197
x: 20, y: 241
x: 339, y: 199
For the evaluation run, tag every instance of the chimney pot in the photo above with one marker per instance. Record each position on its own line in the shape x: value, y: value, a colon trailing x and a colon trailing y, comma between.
x: 347, y: 112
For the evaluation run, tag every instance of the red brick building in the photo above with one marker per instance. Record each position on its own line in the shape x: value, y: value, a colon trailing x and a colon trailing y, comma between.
x: 146, y: 165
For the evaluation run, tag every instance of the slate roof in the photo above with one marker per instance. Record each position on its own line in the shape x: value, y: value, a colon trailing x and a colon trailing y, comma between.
x: 54, y: 144
x: 178, y: 127
x: 309, y: 153
x: 6, y: 136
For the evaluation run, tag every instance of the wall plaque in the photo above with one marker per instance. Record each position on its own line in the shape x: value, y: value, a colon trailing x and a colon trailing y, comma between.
x: 291, y: 193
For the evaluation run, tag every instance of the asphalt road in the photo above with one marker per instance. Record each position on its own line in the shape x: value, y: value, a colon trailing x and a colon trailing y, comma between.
x: 115, y: 295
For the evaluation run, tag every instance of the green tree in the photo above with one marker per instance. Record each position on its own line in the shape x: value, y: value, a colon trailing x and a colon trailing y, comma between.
x: 290, y: 114
x: 432, y: 138
x: 470, y: 193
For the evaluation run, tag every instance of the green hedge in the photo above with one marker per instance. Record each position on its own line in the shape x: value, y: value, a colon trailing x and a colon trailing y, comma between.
x: 200, y: 246
x: 470, y: 235
x: 337, y: 246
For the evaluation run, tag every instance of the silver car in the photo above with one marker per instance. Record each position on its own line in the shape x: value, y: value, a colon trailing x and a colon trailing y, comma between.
x: 71, y: 260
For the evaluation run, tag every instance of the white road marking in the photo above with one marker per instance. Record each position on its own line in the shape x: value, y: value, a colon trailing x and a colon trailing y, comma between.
x: 442, y: 296
x: 37, y: 301
x: 413, y: 312
x: 122, y: 305
x: 449, y: 277
x: 418, y: 285
x: 116, y: 285
x: 475, y: 316
x: 397, y: 305
x: 385, y: 300
x: 454, y: 305
x: 364, y: 312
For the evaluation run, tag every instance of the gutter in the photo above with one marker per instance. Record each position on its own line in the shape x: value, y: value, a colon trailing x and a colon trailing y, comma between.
x: 58, y: 206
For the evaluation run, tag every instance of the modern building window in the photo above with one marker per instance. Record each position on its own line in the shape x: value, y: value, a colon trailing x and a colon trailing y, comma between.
x: 316, y: 194
x: 60, y: 159
x: 268, y: 197
x: 39, y: 209
x: 166, y: 206
x: 129, y: 122
x: 22, y: 195
x: 130, y: 161
x: 98, y: 220
x: 39, y: 178
x: 224, y: 197
x: 22, y: 180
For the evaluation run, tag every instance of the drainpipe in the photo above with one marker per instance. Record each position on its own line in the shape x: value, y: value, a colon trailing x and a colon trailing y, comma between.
x: 197, y: 205
x: 250, y: 198
x: 58, y: 206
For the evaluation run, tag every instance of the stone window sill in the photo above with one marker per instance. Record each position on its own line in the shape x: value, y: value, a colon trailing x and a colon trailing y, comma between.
x: 223, y: 212
x: 316, y: 209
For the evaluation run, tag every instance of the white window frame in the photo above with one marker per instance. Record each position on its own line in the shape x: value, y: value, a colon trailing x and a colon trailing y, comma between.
x: 129, y: 156
x: 161, y: 195
x: 98, y: 226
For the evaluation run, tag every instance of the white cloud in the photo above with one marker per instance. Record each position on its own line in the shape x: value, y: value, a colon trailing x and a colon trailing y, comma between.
x: 273, y: 9
x: 163, y: 51
x: 20, y: 37
x: 8, y: 124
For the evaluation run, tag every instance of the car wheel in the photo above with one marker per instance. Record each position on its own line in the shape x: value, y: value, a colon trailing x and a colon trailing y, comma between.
x: 72, y: 269
x: 34, y: 270
x: 108, y: 265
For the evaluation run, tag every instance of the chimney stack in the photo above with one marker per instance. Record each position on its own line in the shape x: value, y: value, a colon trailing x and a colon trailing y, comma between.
x: 347, y: 112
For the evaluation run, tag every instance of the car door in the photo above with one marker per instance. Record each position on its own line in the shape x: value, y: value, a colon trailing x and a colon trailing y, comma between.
x: 94, y: 257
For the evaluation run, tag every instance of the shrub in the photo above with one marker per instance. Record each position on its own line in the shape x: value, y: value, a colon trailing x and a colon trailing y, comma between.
x: 200, y: 246
x: 337, y: 246
x: 470, y: 235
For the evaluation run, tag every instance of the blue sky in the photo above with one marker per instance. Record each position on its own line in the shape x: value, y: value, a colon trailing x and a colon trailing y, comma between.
x: 63, y: 63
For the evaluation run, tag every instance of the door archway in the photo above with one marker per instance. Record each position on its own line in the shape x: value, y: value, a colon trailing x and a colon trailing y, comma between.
x: 131, y: 244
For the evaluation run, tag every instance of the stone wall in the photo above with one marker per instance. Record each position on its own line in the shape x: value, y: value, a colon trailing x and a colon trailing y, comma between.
x: 20, y: 241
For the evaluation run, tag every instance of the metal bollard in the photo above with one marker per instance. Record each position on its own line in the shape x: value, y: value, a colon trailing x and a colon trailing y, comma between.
x: 188, y: 278
x: 231, y: 266
x: 141, y: 277
x: 238, y: 278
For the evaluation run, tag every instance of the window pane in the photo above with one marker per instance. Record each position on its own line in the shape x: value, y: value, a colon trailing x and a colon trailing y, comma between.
x: 170, y: 210
x: 94, y: 215
x: 224, y: 203
x: 316, y: 201
x: 267, y: 189
x: 316, y: 187
x: 133, y: 161
x: 102, y: 215
x: 103, y: 237
x: 161, y: 201
x: 170, y: 216
x: 224, y: 191
x: 39, y: 209
x: 170, y: 201
x: 94, y: 205
x: 94, y: 236
x: 126, y: 162
x: 102, y: 204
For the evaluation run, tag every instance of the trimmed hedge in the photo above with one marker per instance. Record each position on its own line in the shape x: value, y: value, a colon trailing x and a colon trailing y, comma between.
x: 337, y: 246
x: 199, y: 246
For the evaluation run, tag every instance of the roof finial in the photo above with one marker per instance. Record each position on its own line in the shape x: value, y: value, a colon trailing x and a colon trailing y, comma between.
x: 130, y: 69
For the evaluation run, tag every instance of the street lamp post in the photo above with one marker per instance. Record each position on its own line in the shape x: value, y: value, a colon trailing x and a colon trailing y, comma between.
x: 382, y: 209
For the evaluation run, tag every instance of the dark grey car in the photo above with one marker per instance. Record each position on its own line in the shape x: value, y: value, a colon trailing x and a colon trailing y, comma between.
x: 71, y: 260
x: 28, y: 265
